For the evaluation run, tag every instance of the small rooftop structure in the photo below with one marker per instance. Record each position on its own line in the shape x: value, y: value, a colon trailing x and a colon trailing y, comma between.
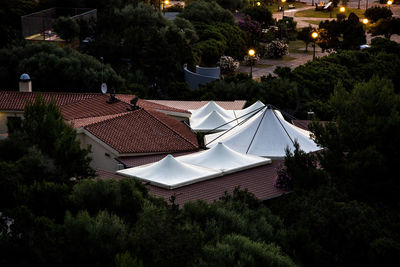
x: 24, y: 77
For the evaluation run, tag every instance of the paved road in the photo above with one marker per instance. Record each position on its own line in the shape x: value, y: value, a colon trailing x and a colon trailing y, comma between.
x: 300, y: 59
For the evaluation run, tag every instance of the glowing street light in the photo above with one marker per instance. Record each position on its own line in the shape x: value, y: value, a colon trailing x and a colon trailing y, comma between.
x: 314, y: 35
x: 389, y: 3
x: 165, y: 3
x: 365, y: 22
x: 283, y: 8
x: 251, y: 53
x: 258, y: 4
x: 342, y: 9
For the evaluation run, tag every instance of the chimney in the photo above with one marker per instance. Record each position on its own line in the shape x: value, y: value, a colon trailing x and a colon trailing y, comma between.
x: 25, y: 83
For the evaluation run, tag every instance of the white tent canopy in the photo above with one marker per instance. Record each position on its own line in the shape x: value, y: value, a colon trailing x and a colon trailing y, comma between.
x: 208, y: 108
x: 212, y: 121
x: 222, y: 158
x: 173, y: 172
x: 212, y: 117
x: 266, y: 134
x: 170, y: 173
x: 242, y: 114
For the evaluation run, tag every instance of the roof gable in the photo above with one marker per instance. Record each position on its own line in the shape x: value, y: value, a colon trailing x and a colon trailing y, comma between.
x: 15, y: 100
x: 144, y: 131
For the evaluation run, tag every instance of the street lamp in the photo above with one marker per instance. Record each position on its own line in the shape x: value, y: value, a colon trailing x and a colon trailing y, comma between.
x: 314, y: 35
x: 365, y: 22
x: 165, y: 3
x: 252, y: 53
x: 283, y: 8
x: 258, y: 4
x: 389, y: 3
x: 342, y: 9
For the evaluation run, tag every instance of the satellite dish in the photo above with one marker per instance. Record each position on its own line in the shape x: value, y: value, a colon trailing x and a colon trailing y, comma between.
x: 104, y: 88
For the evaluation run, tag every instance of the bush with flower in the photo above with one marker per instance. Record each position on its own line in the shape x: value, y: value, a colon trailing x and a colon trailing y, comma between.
x: 251, y: 60
x: 283, y: 180
x: 276, y: 49
x: 228, y: 64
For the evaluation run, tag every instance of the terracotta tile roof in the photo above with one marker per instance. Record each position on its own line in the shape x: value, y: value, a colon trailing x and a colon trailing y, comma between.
x: 78, y: 123
x: 146, y: 104
x: 303, y: 124
x: 145, y: 131
x: 186, y: 105
x: 94, y: 107
x: 258, y: 180
x: 15, y: 100
x: 134, y: 161
x: 102, y: 174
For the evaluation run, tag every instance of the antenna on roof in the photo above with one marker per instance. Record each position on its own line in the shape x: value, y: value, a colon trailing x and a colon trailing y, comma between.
x: 133, y: 105
x: 112, y: 98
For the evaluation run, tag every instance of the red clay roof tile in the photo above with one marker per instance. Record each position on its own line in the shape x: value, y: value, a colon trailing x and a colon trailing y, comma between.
x: 93, y: 107
x: 258, y: 180
x: 144, y: 131
x: 146, y: 104
x: 14, y: 100
x: 186, y: 105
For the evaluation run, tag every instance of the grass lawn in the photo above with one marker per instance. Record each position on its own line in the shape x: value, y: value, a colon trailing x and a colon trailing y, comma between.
x: 311, y: 13
x: 262, y: 66
x: 274, y: 7
x: 315, y: 22
x: 287, y: 58
x: 299, y: 47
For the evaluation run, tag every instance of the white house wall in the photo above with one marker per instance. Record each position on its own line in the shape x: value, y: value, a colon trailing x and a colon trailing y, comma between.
x: 102, y: 158
x: 3, y: 119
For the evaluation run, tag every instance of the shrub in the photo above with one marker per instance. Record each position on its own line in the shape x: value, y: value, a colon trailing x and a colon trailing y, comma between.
x: 260, y: 14
x: 276, y: 49
x: 248, y: 60
x: 252, y: 27
x: 211, y: 50
x: 175, y: 8
x: 283, y: 180
x: 375, y: 13
x: 228, y: 64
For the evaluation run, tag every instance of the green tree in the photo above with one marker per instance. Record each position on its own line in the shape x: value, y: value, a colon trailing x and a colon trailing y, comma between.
x: 44, y: 126
x: 103, y: 236
x: 260, y: 14
x: 305, y: 35
x: 375, y: 13
x: 386, y: 27
x: 237, y: 250
x: 124, y: 198
x: 232, y: 4
x: 208, y: 12
x: 52, y: 68
x: 67, y: 28
x: 361, y: 144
